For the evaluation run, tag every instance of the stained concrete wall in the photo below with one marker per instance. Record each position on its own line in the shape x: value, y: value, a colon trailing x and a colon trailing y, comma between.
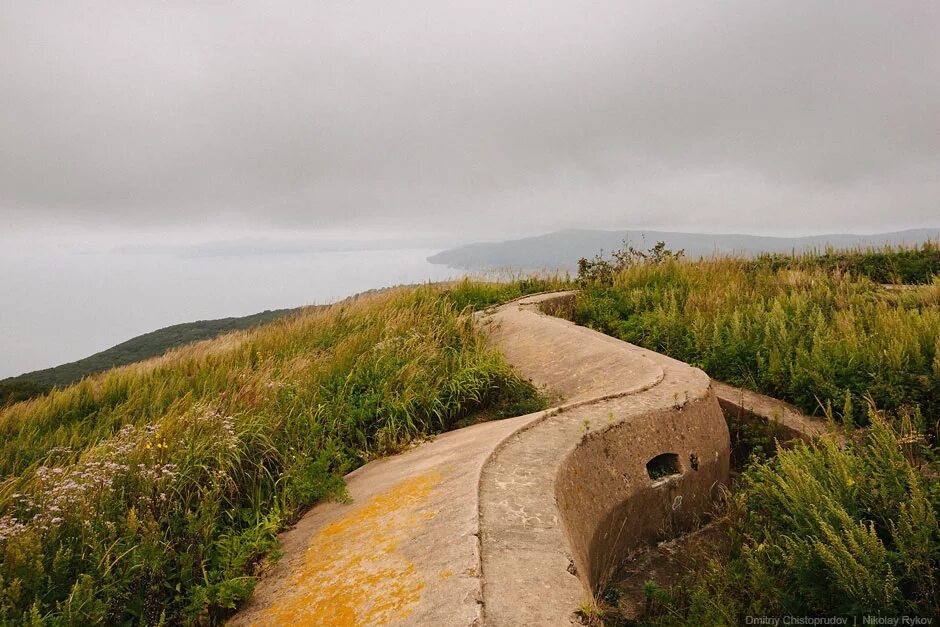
x: 566, y: 498
x: 609, y: 503
x: 785, y: 421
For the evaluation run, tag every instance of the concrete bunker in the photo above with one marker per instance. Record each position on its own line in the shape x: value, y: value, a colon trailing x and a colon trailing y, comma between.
x: 567, y: 498
x: 617, y: 490
x: 650, y: 473
x: 547, y: 501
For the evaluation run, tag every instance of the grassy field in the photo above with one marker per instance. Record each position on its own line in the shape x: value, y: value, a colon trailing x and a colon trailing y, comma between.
x: 821, y: 529
x: 152, y: 494
x: 815, y: 337
x: 913, y: 266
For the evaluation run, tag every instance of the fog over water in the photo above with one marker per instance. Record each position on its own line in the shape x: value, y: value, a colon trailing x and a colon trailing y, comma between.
x: 63, y: 301
x: 140, y: 133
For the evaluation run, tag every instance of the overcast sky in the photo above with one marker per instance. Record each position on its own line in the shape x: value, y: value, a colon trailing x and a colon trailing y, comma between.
x: 478, y: 118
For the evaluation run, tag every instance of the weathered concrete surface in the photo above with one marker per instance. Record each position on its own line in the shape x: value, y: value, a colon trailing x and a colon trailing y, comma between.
x: 403, y: 550
x: 486, y: 525
x: 575, y: 362
x: 570, y: 493
x: 744, y: 404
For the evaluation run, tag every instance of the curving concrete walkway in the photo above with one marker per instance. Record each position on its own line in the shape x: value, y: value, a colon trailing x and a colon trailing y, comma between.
x: 514, y: 522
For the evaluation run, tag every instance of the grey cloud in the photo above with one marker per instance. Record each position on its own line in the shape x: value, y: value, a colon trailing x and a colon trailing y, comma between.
x: 472, y: 116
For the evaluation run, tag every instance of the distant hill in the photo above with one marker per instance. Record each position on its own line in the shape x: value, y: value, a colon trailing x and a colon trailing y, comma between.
x: 133, y: 350
x: 153, y: 344
x: 561, y: 250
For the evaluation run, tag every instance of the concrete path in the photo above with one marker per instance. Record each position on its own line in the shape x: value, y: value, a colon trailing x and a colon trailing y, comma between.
x: 514, y: 522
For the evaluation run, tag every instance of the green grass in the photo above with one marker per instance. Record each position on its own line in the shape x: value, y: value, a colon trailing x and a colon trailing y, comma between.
x: 823, y: 530
x: 818, y: 529
x: 478, y: 295
x: 152, y: 493
x: 915, y: 265
x: 815, y: 337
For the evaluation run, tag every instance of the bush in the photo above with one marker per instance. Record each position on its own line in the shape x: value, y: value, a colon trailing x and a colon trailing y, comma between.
x: 824, y: 530
x: 601, y: 270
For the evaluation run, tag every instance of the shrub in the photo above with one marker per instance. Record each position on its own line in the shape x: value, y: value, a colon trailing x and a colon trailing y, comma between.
x: 824, y: 530
x: 601, y: 270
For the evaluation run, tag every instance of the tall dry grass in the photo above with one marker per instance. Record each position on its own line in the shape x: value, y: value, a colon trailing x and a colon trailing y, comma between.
x: 151, y: 494
x: 821, y: 529
x: 816, y: 337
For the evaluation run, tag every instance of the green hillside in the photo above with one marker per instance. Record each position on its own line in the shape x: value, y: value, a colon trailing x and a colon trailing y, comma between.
x: 136, y: 349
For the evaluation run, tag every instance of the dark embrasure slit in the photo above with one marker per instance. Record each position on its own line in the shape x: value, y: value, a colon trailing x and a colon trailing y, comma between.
x: 663, y: 466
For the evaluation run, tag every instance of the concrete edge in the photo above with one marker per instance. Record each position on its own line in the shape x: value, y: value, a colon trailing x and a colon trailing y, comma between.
x: 783, y: 416
x: 536, y: 304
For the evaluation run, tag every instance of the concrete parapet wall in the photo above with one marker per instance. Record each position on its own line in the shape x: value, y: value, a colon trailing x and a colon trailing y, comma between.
x: 787, y: 422
x: 609, y: 503
x: 565, y: 498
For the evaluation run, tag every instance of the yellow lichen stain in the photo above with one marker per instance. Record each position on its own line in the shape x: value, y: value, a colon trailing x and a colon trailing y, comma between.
x: 446, y: 574
x: 351, y: 574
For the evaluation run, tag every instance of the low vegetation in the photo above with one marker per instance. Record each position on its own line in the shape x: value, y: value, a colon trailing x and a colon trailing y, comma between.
x: 819, y: 338
x: 822, y: 528
x: 18, y: 390
x: 478, y: 295
x: 152, y: 494
x: 912, y: 266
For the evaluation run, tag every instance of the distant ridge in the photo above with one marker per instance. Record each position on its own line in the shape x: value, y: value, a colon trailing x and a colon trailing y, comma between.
x: 139, y: 348
x: 133, y: 350
x: 560, y: 250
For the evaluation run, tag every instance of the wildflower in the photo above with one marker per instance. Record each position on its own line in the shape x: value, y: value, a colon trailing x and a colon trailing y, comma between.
x: 10, y: 527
